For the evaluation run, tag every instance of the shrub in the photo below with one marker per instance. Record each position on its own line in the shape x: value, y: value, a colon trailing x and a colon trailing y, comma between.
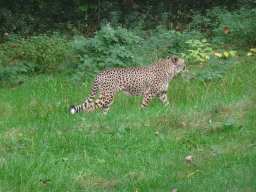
x: 162, y: 42
x: 21, y: 57
x: 199, y: 51
x: 17, y: 74
x: 240, y: 24
x: 215, y: 70
x: 110, y: 48
x: 48, y: 52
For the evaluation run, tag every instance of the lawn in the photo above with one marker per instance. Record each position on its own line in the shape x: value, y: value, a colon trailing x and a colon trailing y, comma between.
x: 45, y: 148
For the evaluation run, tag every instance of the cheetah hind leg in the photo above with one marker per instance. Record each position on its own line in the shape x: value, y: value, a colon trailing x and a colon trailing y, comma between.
x: 104, y: 101
x: 163, y: 97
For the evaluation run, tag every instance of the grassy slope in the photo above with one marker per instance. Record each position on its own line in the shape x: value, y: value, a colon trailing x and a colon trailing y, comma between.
x: 44, y: 148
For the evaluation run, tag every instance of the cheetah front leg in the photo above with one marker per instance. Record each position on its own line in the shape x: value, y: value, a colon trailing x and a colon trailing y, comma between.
x: 163, y: 97
x: 148, y: 96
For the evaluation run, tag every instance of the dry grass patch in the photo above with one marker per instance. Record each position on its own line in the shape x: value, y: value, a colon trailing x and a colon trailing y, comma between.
x: 91, y: 180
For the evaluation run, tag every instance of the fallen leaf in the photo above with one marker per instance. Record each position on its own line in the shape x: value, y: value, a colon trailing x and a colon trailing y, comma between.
x: 249, y: 54
x: 189, y: 158
x: 218, y: 54
x: 226, y: 29
x: 184, y: 124
x: 175, y: 190
x: 226, y: 54
x: 156, y: 133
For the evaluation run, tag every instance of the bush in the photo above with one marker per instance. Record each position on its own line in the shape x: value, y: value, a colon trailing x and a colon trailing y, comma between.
x: 217, y: 69
x: 199, y: 51
x: 110, y: 48
x: 48, y: 52
x: 21, y: 57
x: 163, y: 42
x: 240, y: 26
x: 18, y: 73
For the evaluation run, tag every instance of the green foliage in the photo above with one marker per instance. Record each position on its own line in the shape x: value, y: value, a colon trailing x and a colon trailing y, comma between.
x: 230, y: 122
x: 173, y: 41
x: 241, y: 25
x: 10, y: 22
x: 161, y: 43
x: 222, y: 127
x: 226, y: 54
x: 19, y: 57
x: 211, y: 72
x: 201, y: 23
x: 200, y: 52
x: 48, y: 52
x: 85, y: 8
x: 36, y: 17
x: 18, y: 73
x: 110, y: 48
x: 142, y: 21
x: 78, y: 17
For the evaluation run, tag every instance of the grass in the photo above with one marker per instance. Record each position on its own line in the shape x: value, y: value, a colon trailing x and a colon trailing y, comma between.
x: 44, y: 148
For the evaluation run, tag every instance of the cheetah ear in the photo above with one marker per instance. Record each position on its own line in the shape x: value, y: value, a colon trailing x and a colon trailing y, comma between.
x: 168, y: 57
x: 175, y: 59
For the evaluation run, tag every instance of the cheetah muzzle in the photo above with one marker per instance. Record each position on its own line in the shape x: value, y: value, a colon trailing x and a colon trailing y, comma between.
x: 149, y: 81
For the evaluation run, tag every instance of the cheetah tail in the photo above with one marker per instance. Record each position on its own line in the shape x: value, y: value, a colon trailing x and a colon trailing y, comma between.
x: 76, y: 109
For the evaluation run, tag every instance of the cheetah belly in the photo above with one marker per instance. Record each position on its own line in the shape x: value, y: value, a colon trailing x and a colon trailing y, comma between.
x: 135, y: 90
x: 129, y: 93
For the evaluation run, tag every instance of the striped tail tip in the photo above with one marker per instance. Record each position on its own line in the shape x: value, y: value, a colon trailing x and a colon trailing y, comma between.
x: 72, y: 109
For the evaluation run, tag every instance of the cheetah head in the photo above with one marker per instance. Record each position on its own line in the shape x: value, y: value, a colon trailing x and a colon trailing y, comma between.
x: 179, y: 63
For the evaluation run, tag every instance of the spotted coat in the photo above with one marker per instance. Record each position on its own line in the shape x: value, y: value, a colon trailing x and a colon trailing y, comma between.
x: 148, y: 81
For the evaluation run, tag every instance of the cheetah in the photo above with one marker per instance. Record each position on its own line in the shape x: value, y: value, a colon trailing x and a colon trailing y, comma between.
x: 148, y: 81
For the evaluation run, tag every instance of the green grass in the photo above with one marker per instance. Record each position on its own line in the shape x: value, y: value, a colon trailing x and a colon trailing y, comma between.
x: 44, y: 148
